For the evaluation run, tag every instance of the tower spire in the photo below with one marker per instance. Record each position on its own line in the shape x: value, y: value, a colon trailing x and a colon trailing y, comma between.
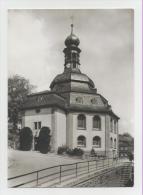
x: 72, y: 51
x: 72, y: 24
x: 71, y: 28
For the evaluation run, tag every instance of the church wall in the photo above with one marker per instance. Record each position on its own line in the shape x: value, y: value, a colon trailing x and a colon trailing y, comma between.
x: 55, y: 119
x: 33, y: 112
x: 30, y: 116
x: 89, y: 132
x: 60, y: 128
x: 107, y: 134
x: 69, y: 130
x: 86, y: 99
x: 110, y: 152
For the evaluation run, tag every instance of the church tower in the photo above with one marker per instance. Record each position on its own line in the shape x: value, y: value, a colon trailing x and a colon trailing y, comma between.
x: 72, y: 52
x: 76, y: 114
x: 72, y: 79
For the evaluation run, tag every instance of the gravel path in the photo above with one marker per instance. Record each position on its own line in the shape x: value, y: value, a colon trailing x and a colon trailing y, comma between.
x: 22, y: 162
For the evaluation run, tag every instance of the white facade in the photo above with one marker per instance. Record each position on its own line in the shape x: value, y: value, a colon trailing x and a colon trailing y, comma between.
x: 65, y: 131
x: 73, y: 110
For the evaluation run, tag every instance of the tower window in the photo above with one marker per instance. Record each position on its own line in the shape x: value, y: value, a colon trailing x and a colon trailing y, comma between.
x: 74, y: 56
x: 74, y: 64
x: 81, y: 121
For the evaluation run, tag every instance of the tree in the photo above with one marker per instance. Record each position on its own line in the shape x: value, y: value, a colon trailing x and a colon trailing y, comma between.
x: 18, y: 89
x: 44, y: 140
x: 26, y: 138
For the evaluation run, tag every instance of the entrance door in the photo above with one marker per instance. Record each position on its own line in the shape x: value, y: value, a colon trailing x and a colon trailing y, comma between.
x: 36, y: 143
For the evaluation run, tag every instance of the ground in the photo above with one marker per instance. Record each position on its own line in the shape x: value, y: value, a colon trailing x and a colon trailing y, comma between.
x: 21, y: 162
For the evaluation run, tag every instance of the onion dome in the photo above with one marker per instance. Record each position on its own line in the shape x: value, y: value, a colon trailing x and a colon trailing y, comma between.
x: 72, y: 77
x: 72, y: 39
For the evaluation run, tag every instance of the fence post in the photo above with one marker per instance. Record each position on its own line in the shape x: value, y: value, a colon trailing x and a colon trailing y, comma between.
x: 88, y: 166
x: 103, y: 163
x: 37, y: 179
x: 76, y: 169
x: 60, y: 173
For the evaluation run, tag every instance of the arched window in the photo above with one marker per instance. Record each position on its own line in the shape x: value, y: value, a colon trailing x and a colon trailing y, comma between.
x: 96, y: 122
x: 115, y: 126
x: 111, y: 142
x: 81, y: 121
x: 111, y: 124
x: 97, y: 142
x: 81, y: 141
x: 115, y: 143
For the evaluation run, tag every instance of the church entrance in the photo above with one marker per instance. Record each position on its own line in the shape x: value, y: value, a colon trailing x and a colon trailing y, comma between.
x: 35, y: 143
x: 42, y: 140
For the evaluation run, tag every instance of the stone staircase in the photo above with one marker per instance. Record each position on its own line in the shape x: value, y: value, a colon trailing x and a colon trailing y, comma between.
x: 112, y: 177
x: 116, y: 178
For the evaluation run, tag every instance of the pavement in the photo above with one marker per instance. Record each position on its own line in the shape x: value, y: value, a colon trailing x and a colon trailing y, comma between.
x: 21, y: 162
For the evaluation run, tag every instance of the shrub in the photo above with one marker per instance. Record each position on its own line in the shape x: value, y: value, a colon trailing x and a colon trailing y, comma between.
x: 26, y: 138
x: 130, y: 156
x: 92, y: 152
x: 44, y: 140
x: 70, y: 152
x: 75, y: 152
x: 62, y: 149
x: 78, y: 152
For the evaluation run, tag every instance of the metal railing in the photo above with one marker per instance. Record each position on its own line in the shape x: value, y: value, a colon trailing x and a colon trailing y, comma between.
x: 60, y: 173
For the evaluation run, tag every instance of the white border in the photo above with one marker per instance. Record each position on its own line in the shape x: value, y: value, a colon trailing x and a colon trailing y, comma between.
x: 70, y: 4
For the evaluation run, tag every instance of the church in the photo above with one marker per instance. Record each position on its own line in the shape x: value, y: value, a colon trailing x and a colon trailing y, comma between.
x: 77, y: 115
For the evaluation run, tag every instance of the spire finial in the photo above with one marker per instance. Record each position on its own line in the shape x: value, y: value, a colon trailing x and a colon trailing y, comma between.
x: 72, y: 24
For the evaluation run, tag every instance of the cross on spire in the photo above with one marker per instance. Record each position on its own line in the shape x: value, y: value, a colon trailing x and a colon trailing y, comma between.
x: 72, y: 18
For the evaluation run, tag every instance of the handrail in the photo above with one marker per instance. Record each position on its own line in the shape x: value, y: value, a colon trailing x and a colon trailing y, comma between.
x: 87, y: 168
x: 39, y: 170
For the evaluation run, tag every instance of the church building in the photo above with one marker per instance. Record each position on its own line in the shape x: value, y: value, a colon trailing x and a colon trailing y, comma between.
x: 77, y: 115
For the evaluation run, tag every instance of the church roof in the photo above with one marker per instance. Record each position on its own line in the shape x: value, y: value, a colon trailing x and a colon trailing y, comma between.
x: 90, y: 108
x: 72, y: 39
x: 44, y: 99
x: 49, y: 99
x: 72, y: 76
x: 70, y: 81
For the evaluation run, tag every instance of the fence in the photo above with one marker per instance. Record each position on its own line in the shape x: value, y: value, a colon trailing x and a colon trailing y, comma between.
x: 60, y: 173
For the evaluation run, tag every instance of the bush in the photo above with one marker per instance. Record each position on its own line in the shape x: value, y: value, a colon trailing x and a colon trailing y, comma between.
x: 70, y: 152
x: 75, y: 152
x: 62, y: 149
x: 130, y: 156
x: 78, y: 152
x: 92, y: 152
x: 26, y: 138
x: 44, y: 140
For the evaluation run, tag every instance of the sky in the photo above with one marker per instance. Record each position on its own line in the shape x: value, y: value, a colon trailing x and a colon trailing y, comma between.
x: 35, y: 51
